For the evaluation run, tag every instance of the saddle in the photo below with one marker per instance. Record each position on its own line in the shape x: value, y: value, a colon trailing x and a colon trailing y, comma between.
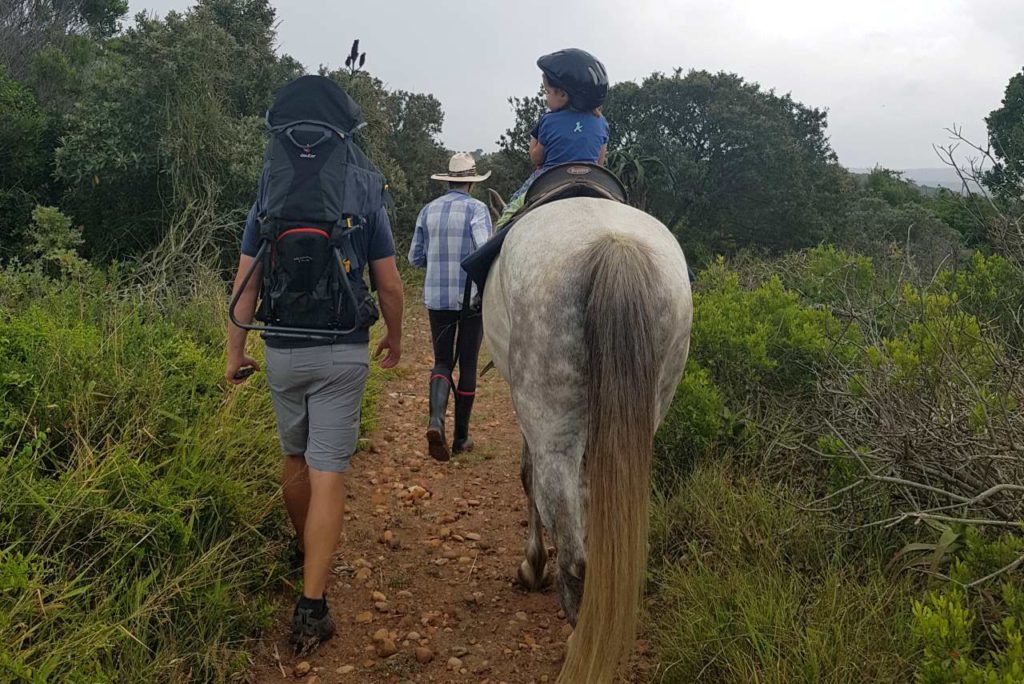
x: 557, y: 183
x: 572, y: 180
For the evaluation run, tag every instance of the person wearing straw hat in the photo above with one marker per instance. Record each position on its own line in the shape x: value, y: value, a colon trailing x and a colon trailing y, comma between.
x: 447, y: 230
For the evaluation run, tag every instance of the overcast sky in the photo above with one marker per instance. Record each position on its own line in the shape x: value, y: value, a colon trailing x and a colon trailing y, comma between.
x: 893, y: 74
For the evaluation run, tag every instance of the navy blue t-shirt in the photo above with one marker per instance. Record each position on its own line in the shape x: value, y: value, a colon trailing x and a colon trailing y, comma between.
x: 569, y: 135
x: 378, y: 242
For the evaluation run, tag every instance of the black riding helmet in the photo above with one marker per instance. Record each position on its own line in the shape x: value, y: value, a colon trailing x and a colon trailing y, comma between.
x: 579, y: 74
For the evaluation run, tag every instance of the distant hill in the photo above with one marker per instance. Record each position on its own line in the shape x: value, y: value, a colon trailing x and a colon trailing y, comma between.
x: 938, y: 177
x: 942, y: 177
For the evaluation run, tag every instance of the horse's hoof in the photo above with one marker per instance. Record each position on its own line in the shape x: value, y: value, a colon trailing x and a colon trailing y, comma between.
x: 524, y: 574
x: 528, y: 577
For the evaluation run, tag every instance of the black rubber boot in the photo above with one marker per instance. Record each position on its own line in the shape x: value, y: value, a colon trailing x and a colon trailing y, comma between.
x: 463, y: 409
x: 440, y: 387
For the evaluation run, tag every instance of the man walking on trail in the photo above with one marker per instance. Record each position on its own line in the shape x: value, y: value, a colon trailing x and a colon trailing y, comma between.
x: 316, y: 381
x: 447, y: 230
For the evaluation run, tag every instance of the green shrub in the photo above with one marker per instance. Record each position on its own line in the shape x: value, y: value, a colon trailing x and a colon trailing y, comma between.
x: 25, y: 154
x: 86, y: 367
x: 926, y: 404
x: 991, y: 289
x: 938, y: 338
x: 917, y: 379
x: 756, y: 357
x: 763, y: 339
x: 53, y: 243
x: 828, y: 275
x: 748, y: 588
x: 140, y: 529
x: 696, y: 423
x: 957, y: 647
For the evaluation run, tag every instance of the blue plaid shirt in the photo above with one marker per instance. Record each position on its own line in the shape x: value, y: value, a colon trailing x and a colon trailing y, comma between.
x: 447, y: 230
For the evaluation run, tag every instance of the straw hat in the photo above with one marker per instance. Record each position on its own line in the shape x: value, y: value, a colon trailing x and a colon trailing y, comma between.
x: 461, y: 169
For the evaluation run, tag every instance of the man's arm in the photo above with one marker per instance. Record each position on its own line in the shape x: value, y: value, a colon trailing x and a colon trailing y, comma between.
x: 480, y: 225
x: 418, y: 250
x: 389, y: 290
x: 244, y: 311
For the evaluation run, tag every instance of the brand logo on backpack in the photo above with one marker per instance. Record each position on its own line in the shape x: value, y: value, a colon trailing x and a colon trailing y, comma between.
x: 307, y: 153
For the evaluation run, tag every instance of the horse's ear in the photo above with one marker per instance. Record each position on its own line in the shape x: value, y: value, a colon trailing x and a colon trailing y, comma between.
x: 496, y: 203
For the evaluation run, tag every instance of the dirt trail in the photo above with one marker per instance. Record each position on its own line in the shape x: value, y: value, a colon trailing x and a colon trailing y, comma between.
x: 443, y: 581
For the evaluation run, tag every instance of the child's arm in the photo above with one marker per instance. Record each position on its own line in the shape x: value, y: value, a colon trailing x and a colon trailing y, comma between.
x: 602, y: 156
x: 536, y: 153
x: 536, y: 148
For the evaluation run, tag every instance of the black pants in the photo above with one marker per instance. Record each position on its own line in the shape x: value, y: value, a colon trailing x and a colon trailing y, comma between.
x: 447, y: 330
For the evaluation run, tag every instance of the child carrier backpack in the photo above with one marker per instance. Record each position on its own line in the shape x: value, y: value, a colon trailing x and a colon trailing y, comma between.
x: 316, y: 192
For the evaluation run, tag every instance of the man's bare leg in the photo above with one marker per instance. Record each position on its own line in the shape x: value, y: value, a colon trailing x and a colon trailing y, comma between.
x: 324, y: 521
x: 295, y: 486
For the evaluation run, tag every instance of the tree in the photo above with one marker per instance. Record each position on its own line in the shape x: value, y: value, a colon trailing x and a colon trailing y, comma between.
x: 257, y: 70
x: 23, y: 162
x: 46, y: 50
x: 993, y: 197
x: 169, y: 130
x: 637, y: 173
x: 506, y: 172
x: 742, y: 166
x: 877, y: 228
x: 890, y: 186
x: 513, y: 144
x: 415, y: 120
x: 29, y: 26
x: 968, y: 214
x: 166, y: 142
x: 1006, y: 137
x: 21, y: 137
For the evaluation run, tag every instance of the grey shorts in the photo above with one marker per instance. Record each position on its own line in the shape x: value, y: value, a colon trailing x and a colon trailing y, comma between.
x: 317, y: 393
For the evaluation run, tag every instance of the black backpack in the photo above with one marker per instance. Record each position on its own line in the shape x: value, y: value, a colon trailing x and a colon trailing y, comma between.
x: 318, y: 189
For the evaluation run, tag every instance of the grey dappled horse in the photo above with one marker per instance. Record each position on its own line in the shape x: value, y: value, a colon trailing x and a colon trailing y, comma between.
x: 587, y: 315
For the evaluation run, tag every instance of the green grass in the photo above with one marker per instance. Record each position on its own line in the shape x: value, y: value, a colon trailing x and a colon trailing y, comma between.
x: 747, y: 586
x: 749, y: 589
x: 374, y: 386
x: 141, y: 530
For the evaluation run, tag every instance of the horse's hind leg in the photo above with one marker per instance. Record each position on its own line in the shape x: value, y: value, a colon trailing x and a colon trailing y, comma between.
x: 532, y: 574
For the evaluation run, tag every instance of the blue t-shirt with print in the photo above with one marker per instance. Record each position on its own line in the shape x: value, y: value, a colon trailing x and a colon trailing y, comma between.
x: 571, y: 136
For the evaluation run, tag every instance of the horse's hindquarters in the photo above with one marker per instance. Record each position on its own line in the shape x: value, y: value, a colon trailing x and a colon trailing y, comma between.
x: 587, y: 308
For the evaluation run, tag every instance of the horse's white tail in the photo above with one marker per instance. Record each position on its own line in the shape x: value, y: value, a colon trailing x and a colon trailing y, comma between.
x: 620, y: 331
